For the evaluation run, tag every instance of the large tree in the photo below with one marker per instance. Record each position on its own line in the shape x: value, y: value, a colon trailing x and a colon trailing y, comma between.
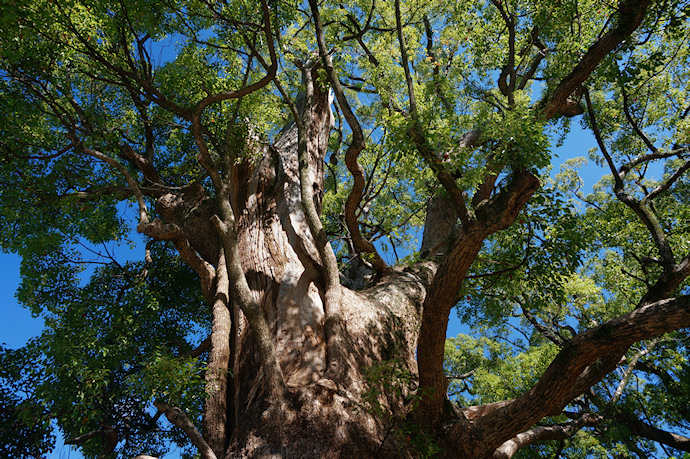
x: 282, y: 159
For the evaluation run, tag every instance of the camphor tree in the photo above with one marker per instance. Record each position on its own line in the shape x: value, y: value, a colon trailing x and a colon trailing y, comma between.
x: 282, y: 159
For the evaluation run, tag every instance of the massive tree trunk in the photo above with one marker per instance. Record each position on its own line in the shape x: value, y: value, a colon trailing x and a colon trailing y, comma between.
x: 323, y: 413
x: 300, y: 366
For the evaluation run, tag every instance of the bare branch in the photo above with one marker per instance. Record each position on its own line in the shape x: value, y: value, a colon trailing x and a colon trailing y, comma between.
x: 629, y: 371
x: 143, y: 211
x: 179, y: 418
x: 84, y: 437
x: 633, y: 124
x: 270, y: 74
x: 542, y: 433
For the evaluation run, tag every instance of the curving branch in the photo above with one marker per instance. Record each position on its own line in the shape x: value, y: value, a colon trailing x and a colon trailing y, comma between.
x: 586, y: 350
x: 204, y: 156
x: 640, y: 208
x: 179, y: 418
x: 492, y: 215
x: 542, y: 52
x: 629, y: 371
x: 362, y: 246
x: 543, y: 433
x: 633, y: 123
x: 270, y: 74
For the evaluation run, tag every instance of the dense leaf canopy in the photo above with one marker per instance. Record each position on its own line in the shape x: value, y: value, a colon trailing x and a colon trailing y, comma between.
x: 110, y: 106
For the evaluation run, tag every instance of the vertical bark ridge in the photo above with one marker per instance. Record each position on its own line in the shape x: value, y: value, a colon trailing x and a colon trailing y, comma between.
x: 311, y: 146
x: 215, y: 414
x: 280, y: 257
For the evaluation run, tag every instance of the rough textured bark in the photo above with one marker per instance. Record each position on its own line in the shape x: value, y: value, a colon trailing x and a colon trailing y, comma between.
x: 215, y: 413
x: 493, y: 215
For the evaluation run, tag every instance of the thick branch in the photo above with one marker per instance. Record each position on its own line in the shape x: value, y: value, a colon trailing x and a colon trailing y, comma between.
x: 545, y: 331
x: 203, y: 346
x: 645, y: 430
x: 143, y: 164
x: 491, y: 216
x: 630, y: 15
x: 179, y: 418
x: 543, y: 433
x: 607, y: 341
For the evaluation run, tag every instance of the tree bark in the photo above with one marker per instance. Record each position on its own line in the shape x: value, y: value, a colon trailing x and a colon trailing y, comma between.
x: 216, y: 409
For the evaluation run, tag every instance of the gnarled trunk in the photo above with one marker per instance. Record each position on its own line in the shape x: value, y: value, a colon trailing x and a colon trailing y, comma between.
x: 323, y: 414
x: 323, y: 417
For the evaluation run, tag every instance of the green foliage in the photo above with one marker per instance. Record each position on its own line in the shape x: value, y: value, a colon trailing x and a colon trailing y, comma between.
x: 25, y: 428
x: 101, y: 365
x: 85, y: 79
x: 387, y: 390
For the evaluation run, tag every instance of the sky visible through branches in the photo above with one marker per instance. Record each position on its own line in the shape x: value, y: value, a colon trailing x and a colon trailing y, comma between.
x: 17, y: 325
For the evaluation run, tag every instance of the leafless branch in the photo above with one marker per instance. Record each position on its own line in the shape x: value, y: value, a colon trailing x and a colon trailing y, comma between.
x: 179, y: 418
